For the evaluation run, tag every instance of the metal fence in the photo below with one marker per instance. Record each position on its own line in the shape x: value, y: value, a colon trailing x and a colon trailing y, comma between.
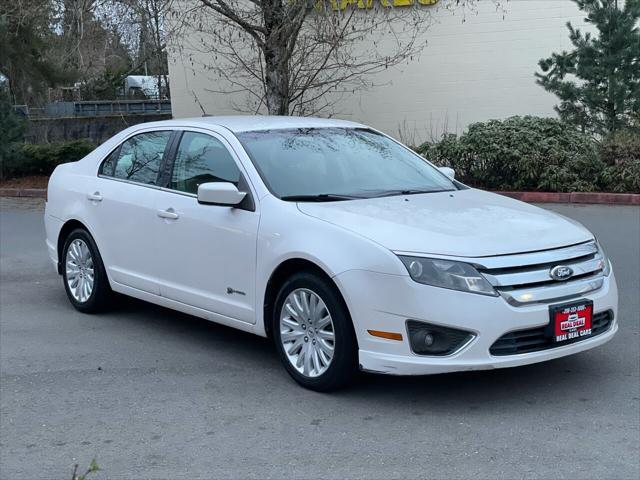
x: 96, y: 108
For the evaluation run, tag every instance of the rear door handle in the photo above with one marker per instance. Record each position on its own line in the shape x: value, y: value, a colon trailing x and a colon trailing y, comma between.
x: 94, y: 197
x: 169, y: 214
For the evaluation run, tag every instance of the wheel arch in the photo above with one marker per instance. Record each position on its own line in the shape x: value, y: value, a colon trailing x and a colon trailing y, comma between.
x: 280, y: 274
x: 68, y: 227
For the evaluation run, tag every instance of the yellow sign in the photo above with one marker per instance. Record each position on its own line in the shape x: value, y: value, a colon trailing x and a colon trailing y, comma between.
x: 343, y: 4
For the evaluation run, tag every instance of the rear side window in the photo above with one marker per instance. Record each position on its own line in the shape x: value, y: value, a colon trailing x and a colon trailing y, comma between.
x: 200, y: 159
x: 139, y: 158
x: 109, y: 163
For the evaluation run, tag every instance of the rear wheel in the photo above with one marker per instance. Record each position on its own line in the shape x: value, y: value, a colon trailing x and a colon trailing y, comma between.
x: 85, y: 279
x: 313, y: 333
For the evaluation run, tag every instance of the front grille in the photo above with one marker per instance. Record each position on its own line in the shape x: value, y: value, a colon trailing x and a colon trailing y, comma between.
x: 523, y: 279
x: 536, y: 339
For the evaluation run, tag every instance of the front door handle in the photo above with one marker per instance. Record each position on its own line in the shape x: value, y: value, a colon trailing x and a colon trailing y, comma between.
x: 94, y: 197
x: 169, y: 214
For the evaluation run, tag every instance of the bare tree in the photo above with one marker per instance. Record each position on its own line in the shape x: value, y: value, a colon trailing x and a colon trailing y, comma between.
x: 288, y: 55
x: 150, y: 15
x: 89, y: 46
x: 141, y: 26
x: 75, y: 14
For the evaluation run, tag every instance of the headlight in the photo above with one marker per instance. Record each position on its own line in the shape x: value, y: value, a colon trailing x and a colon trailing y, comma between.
x: 606, y: 267
x: 447, y: 274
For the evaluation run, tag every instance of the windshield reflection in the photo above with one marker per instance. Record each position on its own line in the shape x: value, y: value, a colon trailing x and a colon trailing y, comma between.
x: 339, y: 164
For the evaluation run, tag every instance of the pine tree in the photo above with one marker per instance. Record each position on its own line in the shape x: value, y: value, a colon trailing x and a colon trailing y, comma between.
x: 598, y: 83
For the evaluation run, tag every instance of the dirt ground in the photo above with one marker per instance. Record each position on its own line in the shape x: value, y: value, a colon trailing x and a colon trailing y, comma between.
x: 35, y: 181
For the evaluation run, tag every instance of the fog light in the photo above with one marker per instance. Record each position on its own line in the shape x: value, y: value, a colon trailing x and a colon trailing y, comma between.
x: 435, y: 340
x: 428, y: 339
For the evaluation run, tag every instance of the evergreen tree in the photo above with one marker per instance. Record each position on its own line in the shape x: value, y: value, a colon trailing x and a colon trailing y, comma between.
x: 12, y: 128
x: 598, y: 82
x: 25, y: 40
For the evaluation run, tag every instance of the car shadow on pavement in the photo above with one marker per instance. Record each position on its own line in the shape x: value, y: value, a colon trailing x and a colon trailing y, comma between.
x: 192, y: 330
x: 512, y: 388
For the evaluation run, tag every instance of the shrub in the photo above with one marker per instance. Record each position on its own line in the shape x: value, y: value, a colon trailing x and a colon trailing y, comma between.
x: 43, y: 159
x: 621, y: 153
x: 521, y: 153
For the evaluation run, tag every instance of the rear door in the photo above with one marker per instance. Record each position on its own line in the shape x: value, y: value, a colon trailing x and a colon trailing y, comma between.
x: 124, y: 204
x: 207, y: 252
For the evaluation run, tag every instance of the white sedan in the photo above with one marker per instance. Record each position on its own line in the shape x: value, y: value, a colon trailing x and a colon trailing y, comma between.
x: 343, y: 246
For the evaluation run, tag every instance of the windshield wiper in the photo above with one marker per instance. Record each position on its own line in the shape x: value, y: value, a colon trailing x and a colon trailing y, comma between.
x: 321, y: 197
x: 390, y: 193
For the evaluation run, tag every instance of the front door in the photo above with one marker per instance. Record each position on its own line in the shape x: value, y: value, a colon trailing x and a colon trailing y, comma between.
x: 207, y: 253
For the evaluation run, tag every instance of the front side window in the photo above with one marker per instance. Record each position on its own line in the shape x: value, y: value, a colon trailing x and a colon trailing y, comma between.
x: 139, y: 158
x: 350, y: 162
x: 200, y: 159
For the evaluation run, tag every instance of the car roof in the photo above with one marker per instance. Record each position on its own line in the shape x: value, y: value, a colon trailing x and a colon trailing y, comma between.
x: 246, y: 123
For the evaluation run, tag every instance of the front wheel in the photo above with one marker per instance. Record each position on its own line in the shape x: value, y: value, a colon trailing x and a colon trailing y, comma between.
x: 313, y: 333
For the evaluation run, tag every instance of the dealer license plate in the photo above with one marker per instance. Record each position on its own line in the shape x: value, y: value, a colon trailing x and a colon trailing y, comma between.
x: 571, y: 321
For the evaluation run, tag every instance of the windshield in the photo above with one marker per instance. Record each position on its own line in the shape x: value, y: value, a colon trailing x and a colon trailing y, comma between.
x: 338, y: 164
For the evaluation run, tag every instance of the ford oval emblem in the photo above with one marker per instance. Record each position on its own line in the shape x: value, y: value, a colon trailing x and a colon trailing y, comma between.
x: 561, y: 272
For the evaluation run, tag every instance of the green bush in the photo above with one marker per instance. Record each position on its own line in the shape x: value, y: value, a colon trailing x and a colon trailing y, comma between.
x: 521, y: 153
x: 621, y: 153
x: 44, y: 158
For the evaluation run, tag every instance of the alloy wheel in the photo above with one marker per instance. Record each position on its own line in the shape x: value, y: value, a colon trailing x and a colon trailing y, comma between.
x: 307, y: 332
x: 79, y: 270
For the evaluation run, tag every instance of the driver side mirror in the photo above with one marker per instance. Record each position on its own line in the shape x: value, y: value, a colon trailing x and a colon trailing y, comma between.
x: 448, y: 171
x: 220, y: 193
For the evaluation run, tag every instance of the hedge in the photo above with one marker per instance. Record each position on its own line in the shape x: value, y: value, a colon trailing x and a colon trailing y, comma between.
x: 27, y: 159
x: 621, y: 153
x: 538, y: 154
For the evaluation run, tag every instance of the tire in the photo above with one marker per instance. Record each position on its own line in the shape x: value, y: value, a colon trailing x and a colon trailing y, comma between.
x: 301, y: 334
x: 84, y: 259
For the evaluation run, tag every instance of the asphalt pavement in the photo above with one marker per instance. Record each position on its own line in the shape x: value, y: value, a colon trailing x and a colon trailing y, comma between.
x: 154, y: 394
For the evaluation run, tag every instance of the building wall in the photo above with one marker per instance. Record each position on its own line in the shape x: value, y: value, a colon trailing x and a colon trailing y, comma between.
x: 472, y: 70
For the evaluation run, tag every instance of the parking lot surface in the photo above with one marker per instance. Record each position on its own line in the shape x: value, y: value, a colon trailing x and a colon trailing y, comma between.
x: 151, y: 393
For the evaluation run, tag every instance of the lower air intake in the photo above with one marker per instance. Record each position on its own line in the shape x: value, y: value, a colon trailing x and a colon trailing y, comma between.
x: 536, y: 339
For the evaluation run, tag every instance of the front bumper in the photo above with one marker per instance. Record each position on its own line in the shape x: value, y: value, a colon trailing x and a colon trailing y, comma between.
x: 385, y: 302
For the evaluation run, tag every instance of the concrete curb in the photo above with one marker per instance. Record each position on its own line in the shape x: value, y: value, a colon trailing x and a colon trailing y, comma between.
x: 531, y: 197
x: 575, y: 197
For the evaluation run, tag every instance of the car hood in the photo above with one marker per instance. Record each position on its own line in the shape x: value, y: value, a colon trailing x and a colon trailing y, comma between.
x: 463, y: 223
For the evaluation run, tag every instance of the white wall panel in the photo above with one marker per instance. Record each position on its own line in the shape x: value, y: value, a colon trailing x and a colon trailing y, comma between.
x: 470, y: 71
